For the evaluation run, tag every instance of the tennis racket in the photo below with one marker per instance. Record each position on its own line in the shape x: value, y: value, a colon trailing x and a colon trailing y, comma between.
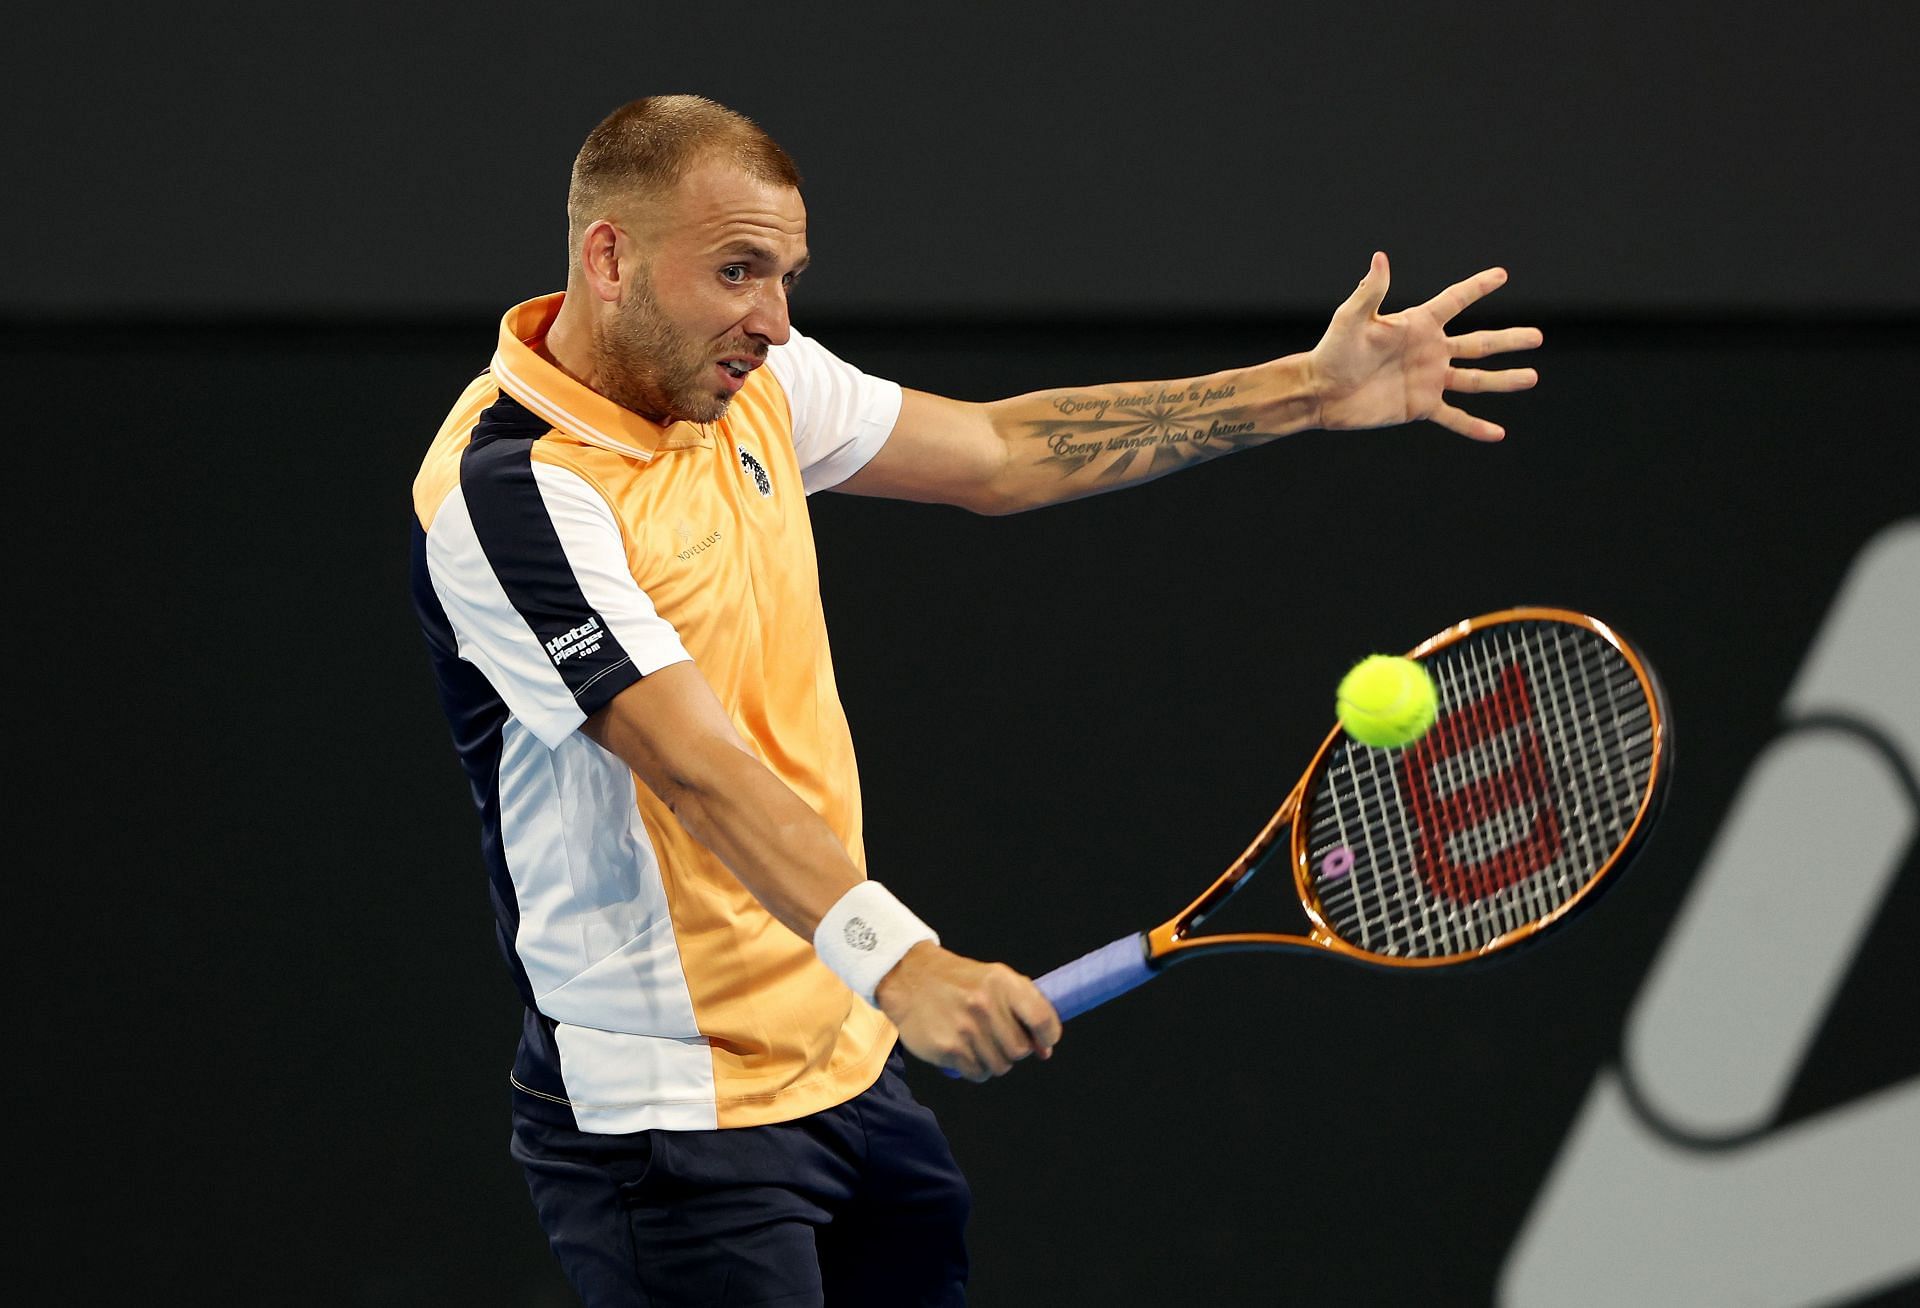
x: 1540, y: 778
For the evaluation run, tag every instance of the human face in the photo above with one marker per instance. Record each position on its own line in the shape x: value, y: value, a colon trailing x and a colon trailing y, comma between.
x: 724, y: 252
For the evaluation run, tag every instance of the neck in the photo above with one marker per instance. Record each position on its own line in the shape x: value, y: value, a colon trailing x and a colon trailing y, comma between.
x: 569, y: 342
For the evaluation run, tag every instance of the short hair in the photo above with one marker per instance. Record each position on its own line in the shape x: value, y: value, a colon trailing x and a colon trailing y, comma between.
x: 643, y: 148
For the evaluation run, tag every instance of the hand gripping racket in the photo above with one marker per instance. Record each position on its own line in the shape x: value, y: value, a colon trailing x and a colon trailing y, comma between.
x: 1539, y: 780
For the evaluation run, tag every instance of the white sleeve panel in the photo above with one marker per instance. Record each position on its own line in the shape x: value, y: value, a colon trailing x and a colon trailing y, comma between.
x: 841, y: 416
x: 491, y: 633
x: 598, y: 553
x: 530, y: 610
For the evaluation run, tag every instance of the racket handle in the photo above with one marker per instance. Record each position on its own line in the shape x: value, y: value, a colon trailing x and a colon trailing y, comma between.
x: 1092, y: 979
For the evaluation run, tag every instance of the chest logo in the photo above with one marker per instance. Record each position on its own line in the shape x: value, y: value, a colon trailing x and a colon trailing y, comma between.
x: 755, y: 470
x: 683, y: 532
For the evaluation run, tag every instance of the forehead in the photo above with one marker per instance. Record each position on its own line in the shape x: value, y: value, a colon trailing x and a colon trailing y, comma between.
x: 718, y: 201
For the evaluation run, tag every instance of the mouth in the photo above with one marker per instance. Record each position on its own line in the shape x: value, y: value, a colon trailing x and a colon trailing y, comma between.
x: 733, y: 372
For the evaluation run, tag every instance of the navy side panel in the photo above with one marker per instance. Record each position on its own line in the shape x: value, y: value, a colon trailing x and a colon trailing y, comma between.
x: 522, y: 546
x: 476, y: 715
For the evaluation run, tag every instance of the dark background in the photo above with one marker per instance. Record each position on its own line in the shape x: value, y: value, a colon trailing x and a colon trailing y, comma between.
x: 255, y: 255
x: 403, y: 158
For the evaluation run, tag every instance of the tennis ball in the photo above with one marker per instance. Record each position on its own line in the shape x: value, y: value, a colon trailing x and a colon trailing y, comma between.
x: 1386, y: 701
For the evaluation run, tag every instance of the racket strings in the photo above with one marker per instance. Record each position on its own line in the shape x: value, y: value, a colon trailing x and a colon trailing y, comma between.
x: 1529, y: 781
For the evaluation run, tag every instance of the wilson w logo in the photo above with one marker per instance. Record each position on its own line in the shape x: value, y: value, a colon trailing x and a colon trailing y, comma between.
x: 1481, y: 795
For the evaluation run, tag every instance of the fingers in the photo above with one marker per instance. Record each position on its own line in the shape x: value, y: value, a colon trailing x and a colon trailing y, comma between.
x: 994, y: 1048
x: 1041, y: 1024
x: 1468, y: 380
x: 1012, y: 1021
x: 974, y: 1019
x: 1020, y: 1022
x: 1001, y: 1043
x: 1368, y: 296
x: 1448, y: 304
x: 1478, y: 345
x: 1482, y: 381
x: 1466, y: 424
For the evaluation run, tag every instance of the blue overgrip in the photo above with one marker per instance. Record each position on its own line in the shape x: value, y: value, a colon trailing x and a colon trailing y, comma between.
x: 1092, y: 979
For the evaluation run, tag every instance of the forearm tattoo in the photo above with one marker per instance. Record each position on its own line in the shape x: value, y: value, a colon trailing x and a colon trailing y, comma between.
x: 1130, y: 433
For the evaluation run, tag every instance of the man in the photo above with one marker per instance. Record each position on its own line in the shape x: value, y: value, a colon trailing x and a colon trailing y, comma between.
x: 615, y: 572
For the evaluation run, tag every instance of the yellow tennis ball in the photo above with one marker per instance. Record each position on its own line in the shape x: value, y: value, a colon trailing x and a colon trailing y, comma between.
x: 1386, y: 701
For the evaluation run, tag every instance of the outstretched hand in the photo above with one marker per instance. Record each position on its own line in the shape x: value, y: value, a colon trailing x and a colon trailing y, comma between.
x: 1377, y: 370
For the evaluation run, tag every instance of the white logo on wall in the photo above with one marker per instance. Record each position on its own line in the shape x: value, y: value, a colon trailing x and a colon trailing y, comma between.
x: 583, y: 639
x: 1674, y: 1185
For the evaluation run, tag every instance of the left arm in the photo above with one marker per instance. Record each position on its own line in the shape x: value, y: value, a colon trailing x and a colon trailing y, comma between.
x: 1369, y: 370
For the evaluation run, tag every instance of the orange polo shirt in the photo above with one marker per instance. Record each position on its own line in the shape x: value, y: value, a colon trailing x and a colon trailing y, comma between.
x: 564, y: 548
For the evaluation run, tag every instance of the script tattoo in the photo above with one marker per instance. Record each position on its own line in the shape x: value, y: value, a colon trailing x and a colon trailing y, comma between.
x: 1169, y: 425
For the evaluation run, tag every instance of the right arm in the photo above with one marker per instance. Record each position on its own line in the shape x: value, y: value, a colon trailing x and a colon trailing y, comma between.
x: 529, y: 565
x: 975, y: 1018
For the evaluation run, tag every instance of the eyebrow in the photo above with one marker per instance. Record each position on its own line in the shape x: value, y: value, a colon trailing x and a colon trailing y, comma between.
x: 761, y: 253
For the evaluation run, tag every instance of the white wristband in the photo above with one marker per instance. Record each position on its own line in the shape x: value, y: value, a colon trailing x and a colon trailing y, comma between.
x: 865, y: 933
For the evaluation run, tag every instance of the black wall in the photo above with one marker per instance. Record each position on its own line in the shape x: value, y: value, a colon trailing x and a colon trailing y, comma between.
x: 267, y: 1033
x: 1070, y: 159
x: 253, y: 254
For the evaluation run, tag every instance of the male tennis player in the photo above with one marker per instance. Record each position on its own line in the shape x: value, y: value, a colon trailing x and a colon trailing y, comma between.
x: 615, y: 572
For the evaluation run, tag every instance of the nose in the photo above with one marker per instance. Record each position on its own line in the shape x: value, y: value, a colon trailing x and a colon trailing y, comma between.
x: 770, y: 320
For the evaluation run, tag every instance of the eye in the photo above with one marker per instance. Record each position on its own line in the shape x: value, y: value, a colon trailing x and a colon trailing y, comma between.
x: 734, y: 274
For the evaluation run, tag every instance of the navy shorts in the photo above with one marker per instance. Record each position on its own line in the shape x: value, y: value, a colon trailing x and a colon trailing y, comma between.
x: 856, y: 1205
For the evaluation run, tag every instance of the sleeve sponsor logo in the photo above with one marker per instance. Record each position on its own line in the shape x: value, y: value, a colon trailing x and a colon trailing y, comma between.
x: 582, y: 640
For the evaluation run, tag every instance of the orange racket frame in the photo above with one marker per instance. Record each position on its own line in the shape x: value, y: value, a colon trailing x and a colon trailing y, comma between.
x: 1173, y: 940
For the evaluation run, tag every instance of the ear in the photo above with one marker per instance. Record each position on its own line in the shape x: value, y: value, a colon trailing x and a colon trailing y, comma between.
x: 606, y: 260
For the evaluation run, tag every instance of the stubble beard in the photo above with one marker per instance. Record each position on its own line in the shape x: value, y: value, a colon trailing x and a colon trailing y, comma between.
x: 645, y: 364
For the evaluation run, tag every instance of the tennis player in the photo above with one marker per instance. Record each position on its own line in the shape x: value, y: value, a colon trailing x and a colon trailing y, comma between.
x: 614, y: 569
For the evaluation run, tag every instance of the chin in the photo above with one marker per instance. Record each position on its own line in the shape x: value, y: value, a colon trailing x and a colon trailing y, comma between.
x: 711, y: 408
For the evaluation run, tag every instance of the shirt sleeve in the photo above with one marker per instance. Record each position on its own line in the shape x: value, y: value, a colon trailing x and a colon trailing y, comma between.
x: 528, y: 562
x: 841, y: 416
